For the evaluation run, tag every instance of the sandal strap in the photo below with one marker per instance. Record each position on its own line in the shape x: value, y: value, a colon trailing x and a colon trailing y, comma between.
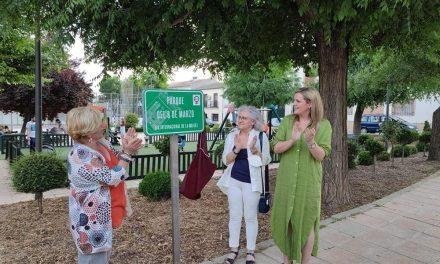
x: 232, y: 260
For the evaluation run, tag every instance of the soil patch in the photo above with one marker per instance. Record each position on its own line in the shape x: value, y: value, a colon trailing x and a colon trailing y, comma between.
x: 146, y: 237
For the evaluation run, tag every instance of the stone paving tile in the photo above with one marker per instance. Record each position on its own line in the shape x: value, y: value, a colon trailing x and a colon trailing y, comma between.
x: 350, y: 227
x: 318, y: 261
x: 338, y: 255
x: 400, y: 208
x: 380, y: 213
x: 381, y: 238
x: 363, y: 248
x: 274, y: 253
x: 399, y: 230
x: 333, y: 236
x: 389, y: 257
x: 369, y: 221
x: 418, y: 252
x: 433, y: 231
x: 427, y: 240
x: 411, y: 224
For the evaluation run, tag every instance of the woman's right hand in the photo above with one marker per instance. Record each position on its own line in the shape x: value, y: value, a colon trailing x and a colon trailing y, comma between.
x: 296, y: 132
x: 130, y: 142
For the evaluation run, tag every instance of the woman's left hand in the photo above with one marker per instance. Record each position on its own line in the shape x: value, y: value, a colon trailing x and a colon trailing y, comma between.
x: 309, y: 135
x: 253, y: 148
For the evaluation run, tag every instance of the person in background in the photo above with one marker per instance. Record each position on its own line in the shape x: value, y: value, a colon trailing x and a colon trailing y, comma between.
x: 242, y: 179
x: 93, y: 167
x: 122, y: 128
x: 303, y: 140
x: 30, y: 134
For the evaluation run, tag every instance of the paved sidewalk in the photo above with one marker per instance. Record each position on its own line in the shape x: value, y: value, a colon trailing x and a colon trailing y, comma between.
x: 401, y: 228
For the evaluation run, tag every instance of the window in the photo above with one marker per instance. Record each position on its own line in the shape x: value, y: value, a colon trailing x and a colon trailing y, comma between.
x: 215, y: 102
x: 407, y: 109
x: 375, y: 119
x: 215, y: 117
x: 205, y: 99
x: 365, y: 119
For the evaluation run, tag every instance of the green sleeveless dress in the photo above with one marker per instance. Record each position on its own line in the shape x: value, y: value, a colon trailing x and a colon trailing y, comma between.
x: 297, y: 199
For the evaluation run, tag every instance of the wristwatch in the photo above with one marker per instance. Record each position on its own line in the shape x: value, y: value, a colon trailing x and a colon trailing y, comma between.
x: 125, y: 157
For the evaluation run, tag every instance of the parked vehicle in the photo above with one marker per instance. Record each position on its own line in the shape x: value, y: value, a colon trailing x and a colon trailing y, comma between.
x: 370, y: 123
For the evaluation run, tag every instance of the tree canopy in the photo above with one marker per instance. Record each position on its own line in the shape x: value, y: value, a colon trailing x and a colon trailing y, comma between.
x: 64, y: 90
x: 149, y: 78
x: 222, y: 34
x: 109, y: 85
x: 274, y: 86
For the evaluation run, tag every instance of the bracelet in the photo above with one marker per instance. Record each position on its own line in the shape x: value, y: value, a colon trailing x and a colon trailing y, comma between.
x: 125, y: 157
x: 235, y: 152
x: 311, y: 146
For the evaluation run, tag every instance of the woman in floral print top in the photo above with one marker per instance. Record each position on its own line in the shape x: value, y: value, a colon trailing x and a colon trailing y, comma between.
x: 90, y: 178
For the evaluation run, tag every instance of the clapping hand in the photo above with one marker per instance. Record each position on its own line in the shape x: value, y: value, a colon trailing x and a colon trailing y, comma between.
x: 296, y: 132
x: 253, y: 148
x: 130, y: 142
x: 309, y: 135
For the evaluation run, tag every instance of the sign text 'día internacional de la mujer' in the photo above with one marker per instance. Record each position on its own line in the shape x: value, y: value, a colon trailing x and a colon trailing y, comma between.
x: 173, y: 112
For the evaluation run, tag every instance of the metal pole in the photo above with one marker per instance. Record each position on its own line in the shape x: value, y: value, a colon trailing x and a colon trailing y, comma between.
x: 38, y: 92
x: 174, y: 168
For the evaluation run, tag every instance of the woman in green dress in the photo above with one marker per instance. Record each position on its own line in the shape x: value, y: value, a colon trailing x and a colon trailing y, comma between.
x: 303, y: 139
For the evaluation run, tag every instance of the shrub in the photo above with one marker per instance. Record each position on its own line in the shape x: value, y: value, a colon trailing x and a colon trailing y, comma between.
x: 156, y: 186
x: 365, y: 158
x: 421, y: 146
x: 406, y: 136
x: 411, y: 149
x: 398, y: 151
x: 353, y: 150
x: 363, y: 138
x: 38, y: 173
x: 139, y: 129
x: 219, y: 149
x: 384, y: 156
x: 373, y: 146
x: 427, y: 127
x: 163, y: 145
x: 131, y: 120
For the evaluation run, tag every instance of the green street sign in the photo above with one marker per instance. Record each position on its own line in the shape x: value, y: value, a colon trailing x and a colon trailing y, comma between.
x: 173, y: 112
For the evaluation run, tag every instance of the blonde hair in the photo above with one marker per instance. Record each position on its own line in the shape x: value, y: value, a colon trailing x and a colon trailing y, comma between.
x: 313, y: 97
x: 82, y: 121
x: 254, y: 115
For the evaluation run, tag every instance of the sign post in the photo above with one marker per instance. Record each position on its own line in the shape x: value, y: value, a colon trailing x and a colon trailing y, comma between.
x: 170, y: 112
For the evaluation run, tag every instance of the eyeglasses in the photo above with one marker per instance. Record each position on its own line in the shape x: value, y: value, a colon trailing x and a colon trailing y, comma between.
x: 242, y: 117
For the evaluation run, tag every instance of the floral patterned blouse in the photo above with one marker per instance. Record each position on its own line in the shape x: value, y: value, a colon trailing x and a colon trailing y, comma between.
x: 89, y: 198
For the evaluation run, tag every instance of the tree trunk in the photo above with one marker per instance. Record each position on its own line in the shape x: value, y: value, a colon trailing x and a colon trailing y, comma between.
x: 434, y: 144
x: 333, y: 59
x: 357, y: 119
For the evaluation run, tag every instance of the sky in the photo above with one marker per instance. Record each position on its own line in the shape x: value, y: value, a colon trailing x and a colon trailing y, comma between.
x: 92, y: 71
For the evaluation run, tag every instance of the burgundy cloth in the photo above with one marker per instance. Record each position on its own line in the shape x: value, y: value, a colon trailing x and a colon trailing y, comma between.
x: 199, y: 172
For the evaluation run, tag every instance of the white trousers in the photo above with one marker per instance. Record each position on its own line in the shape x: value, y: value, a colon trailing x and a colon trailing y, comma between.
x: 242, y: 200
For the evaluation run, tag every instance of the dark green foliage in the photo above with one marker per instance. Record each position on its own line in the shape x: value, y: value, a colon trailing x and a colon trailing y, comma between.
x: 163, y: 145
x: 38, y: 173
x: 425, y: 137
x: 139, y: 129
x: 421, y: 147
x: 353, y: 150
x: 156, y: 185
x: 427, y: 127
x: 131, y: 120
x: 406, y: 136
x: 363, y: 138
x: 373, y: 146
x: 383, y: 156
x: 409, y: 150
x: 219, y: 149
x: 365, y: 158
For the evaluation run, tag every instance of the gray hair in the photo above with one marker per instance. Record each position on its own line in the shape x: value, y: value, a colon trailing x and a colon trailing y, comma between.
x: 254, y: 115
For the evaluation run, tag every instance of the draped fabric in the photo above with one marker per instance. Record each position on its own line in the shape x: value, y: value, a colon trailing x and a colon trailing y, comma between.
x: 297, y: 198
